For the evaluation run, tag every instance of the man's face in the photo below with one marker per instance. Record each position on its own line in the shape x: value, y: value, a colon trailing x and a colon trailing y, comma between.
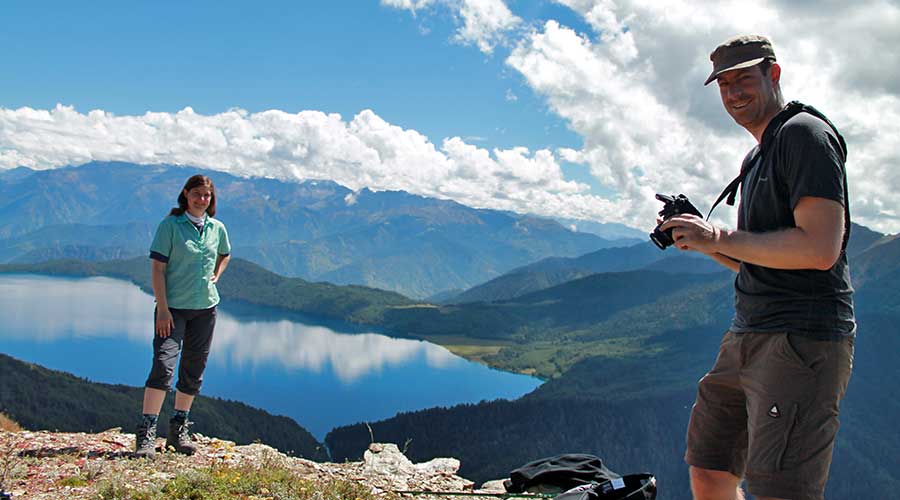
x: 749, y: 95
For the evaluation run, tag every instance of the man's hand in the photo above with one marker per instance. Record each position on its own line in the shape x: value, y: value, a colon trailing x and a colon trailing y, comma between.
x: 693, y: 233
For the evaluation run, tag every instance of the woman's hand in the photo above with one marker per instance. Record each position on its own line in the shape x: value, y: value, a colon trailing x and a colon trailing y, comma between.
x: 164, y: 322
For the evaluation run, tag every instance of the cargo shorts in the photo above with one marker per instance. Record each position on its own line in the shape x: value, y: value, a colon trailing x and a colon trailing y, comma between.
x: 768, y: 412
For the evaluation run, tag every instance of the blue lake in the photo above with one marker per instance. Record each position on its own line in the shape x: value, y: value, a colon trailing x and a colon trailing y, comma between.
x: 322, y: 375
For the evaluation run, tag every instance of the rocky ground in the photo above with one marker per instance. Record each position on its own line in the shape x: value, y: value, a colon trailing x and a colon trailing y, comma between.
x: 49, y: 465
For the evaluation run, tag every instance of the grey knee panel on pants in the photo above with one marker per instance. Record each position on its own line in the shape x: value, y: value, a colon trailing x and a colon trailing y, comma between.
x: 191, y: 337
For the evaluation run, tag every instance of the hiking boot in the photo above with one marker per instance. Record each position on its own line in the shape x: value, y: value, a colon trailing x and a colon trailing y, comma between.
x: 179, y: 437
x: 145, y: 440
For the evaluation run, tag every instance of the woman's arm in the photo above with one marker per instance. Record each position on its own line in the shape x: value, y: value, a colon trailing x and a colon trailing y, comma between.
x: 164, y: 322
x: 221, y: 264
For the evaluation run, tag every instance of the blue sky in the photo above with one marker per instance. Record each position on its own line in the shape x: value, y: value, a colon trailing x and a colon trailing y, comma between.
x: 568, y: 108
x: 333, y: 56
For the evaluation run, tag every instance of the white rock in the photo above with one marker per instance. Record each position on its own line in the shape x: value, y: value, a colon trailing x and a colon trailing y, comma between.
x: 438, y: 466
x: 385, y: 458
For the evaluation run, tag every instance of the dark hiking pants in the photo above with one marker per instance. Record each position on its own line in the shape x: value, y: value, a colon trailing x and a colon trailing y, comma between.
x: 191, y: 337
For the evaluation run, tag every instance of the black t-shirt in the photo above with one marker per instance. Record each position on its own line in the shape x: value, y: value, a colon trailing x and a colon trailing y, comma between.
x: 805, y: 159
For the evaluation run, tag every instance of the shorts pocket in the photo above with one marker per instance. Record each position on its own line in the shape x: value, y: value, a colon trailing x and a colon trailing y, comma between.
x: 788, y: 431
x: 800, y: 350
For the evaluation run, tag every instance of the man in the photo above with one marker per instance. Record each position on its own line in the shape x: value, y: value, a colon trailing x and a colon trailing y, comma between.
x: 767, y: 412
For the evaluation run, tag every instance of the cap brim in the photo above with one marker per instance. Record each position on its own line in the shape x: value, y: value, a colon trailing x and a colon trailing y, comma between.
x: 745, y: 64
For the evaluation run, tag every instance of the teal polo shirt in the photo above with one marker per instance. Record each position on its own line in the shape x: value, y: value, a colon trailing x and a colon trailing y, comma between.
x: 191, y: 259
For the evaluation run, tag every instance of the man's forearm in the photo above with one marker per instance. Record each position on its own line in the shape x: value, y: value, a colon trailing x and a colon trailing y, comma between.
x: 791, y: 248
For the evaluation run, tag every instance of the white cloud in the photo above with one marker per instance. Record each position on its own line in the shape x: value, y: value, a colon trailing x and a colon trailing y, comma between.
x: 633, y: 91
x: 411, y: 5
x: 364, y: 152
x: 484, y: 23
x: 633, y: 142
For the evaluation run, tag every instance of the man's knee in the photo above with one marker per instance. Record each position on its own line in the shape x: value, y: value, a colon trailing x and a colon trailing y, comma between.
x: 709, y: 484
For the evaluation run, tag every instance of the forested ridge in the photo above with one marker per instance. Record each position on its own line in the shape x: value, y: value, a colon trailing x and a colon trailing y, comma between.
x: 42, y: 399
x: 633, y: 413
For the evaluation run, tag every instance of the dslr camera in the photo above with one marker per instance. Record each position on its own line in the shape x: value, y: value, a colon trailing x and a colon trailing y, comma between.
x: 673, y: 205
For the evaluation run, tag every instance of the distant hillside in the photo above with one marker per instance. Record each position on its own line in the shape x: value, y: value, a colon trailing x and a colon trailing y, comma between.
x: 76, y: 241
x: 876, y: 275
x: 861, y: 238
x: 38, y: 398
x: 684, y: 263
x: 553, y: 271
x: 546, y: 332
x: 316, y: 230
x: 607, y: 230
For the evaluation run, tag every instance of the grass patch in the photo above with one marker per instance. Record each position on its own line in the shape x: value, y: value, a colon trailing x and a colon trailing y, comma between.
x: 244, y: 482
x: 74, y: 481
x: 549, y: 360
x: 473, y: 349
x: 476, y: 353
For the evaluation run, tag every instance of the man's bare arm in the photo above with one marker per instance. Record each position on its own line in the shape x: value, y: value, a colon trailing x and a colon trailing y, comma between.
x: 815, y: 242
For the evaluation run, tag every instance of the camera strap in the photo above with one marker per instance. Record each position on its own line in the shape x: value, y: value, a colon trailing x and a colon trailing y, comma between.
x: 792, y: 109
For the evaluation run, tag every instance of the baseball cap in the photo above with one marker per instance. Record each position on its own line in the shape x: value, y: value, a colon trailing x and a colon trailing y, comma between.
x: 740, y: 52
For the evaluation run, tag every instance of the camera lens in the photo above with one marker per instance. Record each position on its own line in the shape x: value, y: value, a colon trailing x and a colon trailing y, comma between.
x: 662, y: 239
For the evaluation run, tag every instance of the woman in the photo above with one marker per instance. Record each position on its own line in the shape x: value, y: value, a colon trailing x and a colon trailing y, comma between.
x: 188, y: 256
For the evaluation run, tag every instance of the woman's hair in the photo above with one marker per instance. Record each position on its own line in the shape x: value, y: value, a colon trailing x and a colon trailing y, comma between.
x: 194, y: 181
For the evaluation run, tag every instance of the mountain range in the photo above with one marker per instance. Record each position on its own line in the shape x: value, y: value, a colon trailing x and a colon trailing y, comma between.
x: 620, y: 335
x: 317, y: 230
x: 552, y: 271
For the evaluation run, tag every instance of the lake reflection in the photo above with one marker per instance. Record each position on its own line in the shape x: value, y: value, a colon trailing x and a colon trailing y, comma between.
x: 101, y: 328
x: 296, y: 345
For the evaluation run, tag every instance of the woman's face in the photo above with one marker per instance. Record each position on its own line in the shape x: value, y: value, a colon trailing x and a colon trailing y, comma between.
x: 198, y: 199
